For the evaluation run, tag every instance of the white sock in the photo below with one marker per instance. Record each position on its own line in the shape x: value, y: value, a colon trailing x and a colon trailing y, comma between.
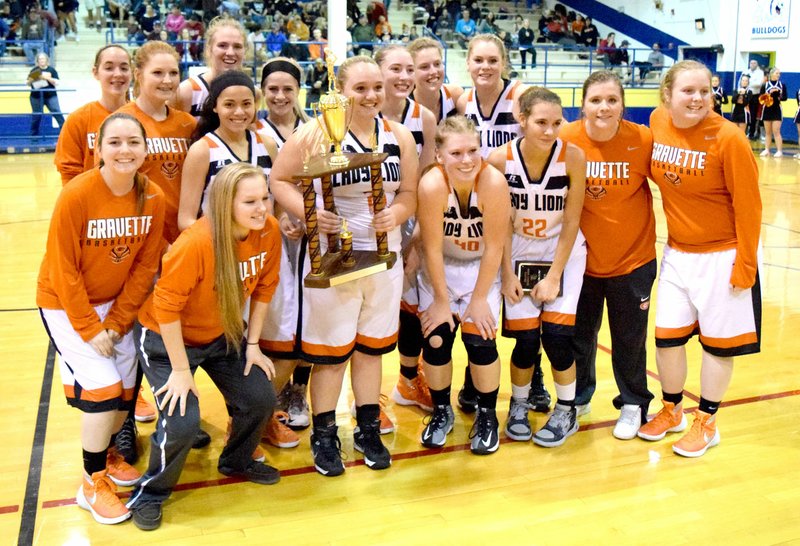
x: 520, y: 393
x: 566, y: 392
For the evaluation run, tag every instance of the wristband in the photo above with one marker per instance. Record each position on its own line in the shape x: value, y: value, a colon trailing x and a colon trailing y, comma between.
x: 254, y: 343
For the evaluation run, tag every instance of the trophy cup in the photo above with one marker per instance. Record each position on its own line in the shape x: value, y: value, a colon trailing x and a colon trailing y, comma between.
x: 333, y: 113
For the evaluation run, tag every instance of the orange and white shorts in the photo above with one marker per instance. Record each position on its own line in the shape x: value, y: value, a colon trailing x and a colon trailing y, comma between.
x: 92, y: 383
x: 362, y: 315
x: 460, y: 276
x: 558, y: 316
x: 278, y: 336
x: 695, y: 297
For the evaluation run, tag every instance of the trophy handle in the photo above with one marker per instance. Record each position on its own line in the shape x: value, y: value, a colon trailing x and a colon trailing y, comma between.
x: 315, y: 109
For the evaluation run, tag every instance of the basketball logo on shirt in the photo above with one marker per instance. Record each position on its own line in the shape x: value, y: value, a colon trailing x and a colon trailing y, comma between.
x: 595, y: 192
x: 119, y: 253
x: 170, y: 169
x: 672, y: 178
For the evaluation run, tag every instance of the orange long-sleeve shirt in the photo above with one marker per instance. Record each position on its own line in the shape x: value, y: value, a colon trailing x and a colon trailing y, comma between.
x: 617, y: 218
x: 167, y: 144
x: 76, y: 142
x: 100, y: 249
x: 185, y: 291
x: 709, y: 184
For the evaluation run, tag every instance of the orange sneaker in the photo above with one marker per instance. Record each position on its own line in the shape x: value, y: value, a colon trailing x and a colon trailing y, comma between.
x: 258, y: 453
x: 413, y: 392
x: 144, y: 412
x: 278, y: 434
x: 703, y: 435
x: 98, y: 496
x: 669, y: 419
x: 120, y: 472
x: 387, y: 425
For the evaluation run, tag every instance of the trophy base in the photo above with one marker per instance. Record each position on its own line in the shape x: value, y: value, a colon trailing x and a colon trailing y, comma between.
x: 334, y: 272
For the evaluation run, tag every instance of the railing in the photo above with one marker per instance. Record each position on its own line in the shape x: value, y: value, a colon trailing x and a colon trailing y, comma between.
x: 39, y: 46
x: 27, y: 130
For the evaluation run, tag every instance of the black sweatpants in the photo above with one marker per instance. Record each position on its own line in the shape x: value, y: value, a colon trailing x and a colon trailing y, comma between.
x: 628, y: 300
x: 250, y: 400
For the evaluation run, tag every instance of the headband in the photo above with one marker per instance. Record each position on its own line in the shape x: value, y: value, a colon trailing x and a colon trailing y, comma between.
x: 280, y: 66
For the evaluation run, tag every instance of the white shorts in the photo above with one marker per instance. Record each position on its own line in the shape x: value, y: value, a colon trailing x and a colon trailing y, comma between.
x: 278, y: 336
x: 460, y: 277
x: 92, y: 383
x: 91, y: 5
x: 557, y: 317
x: 695, y: 296
x: 362, y: 315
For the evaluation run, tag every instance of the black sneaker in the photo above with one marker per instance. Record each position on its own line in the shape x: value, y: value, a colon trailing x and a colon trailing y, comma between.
x: 326, y: 450
x: 367, y: 440
x: 255, y: 472
x: 147, y: 515
x: 562, y: 424
x: 126, y: 441
x: 201, y: 440
x: 439, y: 425
x: 539, y: 399
x: 468, y: 399
x: 485, y: 435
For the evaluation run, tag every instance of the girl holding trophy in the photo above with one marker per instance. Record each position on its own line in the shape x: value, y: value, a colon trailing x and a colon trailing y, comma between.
x: 361, y: 317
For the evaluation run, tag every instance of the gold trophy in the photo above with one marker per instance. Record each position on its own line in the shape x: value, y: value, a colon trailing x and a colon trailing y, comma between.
x: 333, y: 113
x: 340, y: 264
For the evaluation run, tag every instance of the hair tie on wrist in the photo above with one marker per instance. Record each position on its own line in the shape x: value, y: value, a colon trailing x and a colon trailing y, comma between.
x: 255, y: 343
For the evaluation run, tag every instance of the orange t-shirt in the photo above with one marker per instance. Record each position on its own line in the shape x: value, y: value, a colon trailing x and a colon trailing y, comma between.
x: 75, y: 147
x: 185, y: 291
x: 167, y: 144
x: 709, y: 184
x: 100, y: 249
x: 617, y: 217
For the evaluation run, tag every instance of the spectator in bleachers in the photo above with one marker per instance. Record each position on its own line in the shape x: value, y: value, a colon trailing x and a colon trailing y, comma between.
x: 317, y: 81
x: 526, y: 37
x: 230, y: 7
x: 148, y: 21
x: 293, y: 50
x: 94, y: 13
x: 65, y: 9
x: 655, y: 61
x: 296, y: 26
x: 363, y: 34
x: 117, y: 10
x: 285, y: 7
x: 374, y: 12
x: 174, y: 22
x: 196, y: 29
x: 619, y: 56
x: 257, y: 40
x: 589, y: 34
x: 556, y: 30
x: 383, y: 26
x: 487, y: 25
x: 465, y: 29
x: 316, y: 50
x: 155, y: 34
x: 43, y: 80
x: 134, y: 32
x: 275, y: 40
x: 33, y: 28
x: 5, y: 30
x: 413, y: 34
x: 606, y: 47
x: 577, y: 27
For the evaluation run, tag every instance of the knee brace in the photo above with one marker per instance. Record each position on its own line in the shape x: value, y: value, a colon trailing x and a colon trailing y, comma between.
x: 437, y: 348
x: 409, y: 338
x: 559, y: 350
x: 526, y: 352
x: 481, y: 355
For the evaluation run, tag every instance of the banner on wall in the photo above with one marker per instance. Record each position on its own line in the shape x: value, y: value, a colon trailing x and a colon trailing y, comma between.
x: 770, y: 19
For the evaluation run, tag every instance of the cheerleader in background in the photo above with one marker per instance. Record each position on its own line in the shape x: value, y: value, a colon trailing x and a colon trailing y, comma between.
x: 773, y: 92
x: 720, y: 96
x: 740, y: 115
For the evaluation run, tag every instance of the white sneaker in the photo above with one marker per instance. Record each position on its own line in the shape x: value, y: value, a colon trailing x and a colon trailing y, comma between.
x: 630, y: 419
x: 583, y: 409
x: 778, y: 154
x: 764, y: 153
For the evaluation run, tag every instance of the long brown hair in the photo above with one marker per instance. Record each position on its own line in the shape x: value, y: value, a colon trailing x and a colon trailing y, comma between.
x: 228, y: 283
x: 139, y: 180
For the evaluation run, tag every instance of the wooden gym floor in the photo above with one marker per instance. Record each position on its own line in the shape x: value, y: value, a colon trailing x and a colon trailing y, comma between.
x: 593, y: 490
